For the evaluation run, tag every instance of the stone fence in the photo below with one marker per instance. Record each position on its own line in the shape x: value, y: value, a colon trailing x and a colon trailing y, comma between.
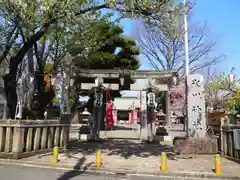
x: 22, y: 138
x: 231, y: 141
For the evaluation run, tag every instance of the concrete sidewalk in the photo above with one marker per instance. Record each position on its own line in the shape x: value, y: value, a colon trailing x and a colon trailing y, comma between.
x: 123, y: 154
x: 144, y: 164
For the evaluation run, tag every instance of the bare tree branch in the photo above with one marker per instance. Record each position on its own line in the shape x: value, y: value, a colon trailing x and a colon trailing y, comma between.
x: 164, y: 48
x: 12, y: 36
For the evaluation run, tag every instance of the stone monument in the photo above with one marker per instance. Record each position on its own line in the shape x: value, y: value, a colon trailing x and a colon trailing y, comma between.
x: 196, y: 125
x: 196, y: 141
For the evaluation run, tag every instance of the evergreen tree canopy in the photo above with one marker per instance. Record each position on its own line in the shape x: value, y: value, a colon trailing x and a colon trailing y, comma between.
x: 110, y: 49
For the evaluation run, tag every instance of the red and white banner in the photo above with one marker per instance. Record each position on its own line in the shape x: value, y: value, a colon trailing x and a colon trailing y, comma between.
x: 109, y: 115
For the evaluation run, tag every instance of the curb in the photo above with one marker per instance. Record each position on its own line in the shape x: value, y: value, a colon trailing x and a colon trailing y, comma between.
x: 96, y: 171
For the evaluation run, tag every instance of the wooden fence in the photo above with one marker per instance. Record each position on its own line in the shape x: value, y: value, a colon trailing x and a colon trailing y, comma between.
x: 229, y: 147
x: 219, y: 124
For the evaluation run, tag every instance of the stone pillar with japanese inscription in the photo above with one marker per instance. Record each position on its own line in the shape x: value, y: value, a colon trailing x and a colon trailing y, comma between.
x: 196, y: 124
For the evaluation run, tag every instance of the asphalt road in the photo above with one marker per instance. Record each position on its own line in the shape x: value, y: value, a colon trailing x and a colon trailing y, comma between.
x: 9, y: 172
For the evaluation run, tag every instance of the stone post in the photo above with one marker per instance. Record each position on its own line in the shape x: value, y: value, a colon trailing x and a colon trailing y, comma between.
x: 29, y: 139
x: 37, y: 137
x: 97, y: 110
x: 57, y: 136
x: 8, y: 139
x: 150, y: 124
x: 150, y: 116
x: 44, y: 138
x: 196, y: 125
x: 96, y: 122
x: 2, y: 139
x: 168, y: 114
x: 18, y: 140
x: 143, y: 115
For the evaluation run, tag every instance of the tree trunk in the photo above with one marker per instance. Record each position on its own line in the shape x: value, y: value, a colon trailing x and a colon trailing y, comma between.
x: 11, y: 94
x: 10, y: 78
x: 42, y: 97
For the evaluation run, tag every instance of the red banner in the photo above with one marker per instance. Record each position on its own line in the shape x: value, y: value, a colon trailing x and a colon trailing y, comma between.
x: 109, y: 115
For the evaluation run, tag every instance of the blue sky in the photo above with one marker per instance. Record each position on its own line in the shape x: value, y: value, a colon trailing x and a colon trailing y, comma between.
x: 222, y: 18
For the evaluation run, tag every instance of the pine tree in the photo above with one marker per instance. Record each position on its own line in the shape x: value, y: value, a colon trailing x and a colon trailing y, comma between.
x: 111, y: 49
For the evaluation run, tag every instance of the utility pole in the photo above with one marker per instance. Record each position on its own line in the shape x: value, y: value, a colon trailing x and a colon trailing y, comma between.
x: 186, y: 38
x: 186, y: 62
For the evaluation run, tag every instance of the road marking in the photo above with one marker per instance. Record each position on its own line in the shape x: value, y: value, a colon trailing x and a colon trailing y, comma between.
x: 128, y: 175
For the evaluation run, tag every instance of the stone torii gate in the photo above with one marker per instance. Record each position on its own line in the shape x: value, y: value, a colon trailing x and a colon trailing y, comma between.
x: 120, y: 80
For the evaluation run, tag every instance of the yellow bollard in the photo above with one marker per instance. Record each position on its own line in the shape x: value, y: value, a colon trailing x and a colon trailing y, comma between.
x: 163, y: 162
x: 98, y: 159
x: 55, y: 155
x: 218, y: 164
